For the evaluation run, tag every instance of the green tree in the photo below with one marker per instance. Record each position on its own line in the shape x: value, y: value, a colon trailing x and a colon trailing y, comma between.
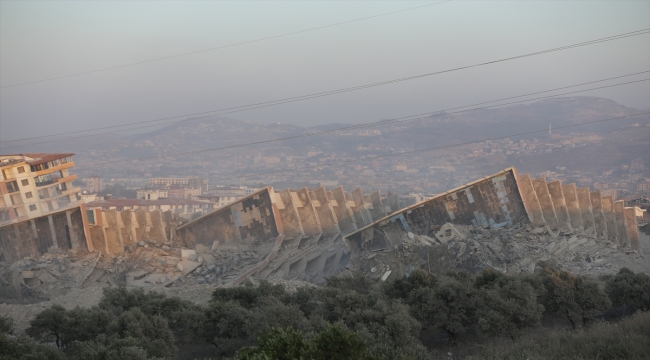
x: 628, y: 288
x: 50, y: 325
x: 401, y: 288
x: 334, y: 343
x: 509, y: 308
x: 577, y: 297
x: 450, y: 306
x: 23, y: 347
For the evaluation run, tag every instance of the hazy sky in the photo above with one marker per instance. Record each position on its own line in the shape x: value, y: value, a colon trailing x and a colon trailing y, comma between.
x: 53, y: 38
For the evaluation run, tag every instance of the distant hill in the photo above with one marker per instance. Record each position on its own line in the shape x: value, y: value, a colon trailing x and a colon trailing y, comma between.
x: 435, y: 130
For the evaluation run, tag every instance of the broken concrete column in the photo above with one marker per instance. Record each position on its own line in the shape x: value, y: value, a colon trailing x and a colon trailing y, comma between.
x: 291, y: 224
x: 129, y: 224
x: 157, y: 232
x: 621, y: 224
x: 608, y: 211
x: 74, y: 240
x: 113, y: 232
x: 378, y: 210
x: 584, y: 200
x: 142, y: 230
x: 599, y: 216
x: 309, y: 219
x: 52, y: 232
x: 391, y: 202
x: 360, y: 209
x: 531, y: 203
x: 573, y: 206
x: 546, y: 202
x: 632, y: 228
x: 98, y: 233
x: 559, y: 203
x: 343, y: 211
x: 326, y: 215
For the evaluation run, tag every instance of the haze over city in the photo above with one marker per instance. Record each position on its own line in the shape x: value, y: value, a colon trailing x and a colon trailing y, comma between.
x: 324, y: 179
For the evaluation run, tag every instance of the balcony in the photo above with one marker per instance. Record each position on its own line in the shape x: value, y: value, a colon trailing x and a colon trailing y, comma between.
x: 54, y: 169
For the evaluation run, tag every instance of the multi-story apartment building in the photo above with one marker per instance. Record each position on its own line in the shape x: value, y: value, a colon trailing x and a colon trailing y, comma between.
x: 191, y: 182
x: 169, y: 181
x: 94, y: 184
x: 33, y: 185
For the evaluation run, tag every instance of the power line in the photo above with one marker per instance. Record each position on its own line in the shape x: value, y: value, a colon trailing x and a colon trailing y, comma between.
x: 327, y: 93
x: 432, y: 148
x: 221, y: 47
x: 355, y: 126
x: 402, y: 119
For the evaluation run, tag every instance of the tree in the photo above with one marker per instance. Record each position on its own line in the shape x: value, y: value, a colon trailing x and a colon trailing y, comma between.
x: 627, y: 288
x: 401, y: 288
x: 23, y: 347
x: 335, y: 343
x: 449, y: 306
x: 509, y: 308
x: 50, y: 325
x: 577, y: 297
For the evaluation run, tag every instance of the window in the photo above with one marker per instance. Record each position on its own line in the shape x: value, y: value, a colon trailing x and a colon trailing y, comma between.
x: 12, y: 186
x: 21, y: 169
x: 32, y: 207
x: 29, y: 195
x: 43, y: 180
x: 25, y: 182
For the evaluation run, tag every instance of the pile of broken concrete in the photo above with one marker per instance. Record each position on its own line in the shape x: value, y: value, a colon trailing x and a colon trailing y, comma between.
x: 515, y: 249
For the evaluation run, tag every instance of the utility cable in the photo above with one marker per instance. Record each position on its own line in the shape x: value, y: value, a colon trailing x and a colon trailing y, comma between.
x: 220, y: 47
x: 402, y: 119
x: 383, y: 122
x: 333, y: 92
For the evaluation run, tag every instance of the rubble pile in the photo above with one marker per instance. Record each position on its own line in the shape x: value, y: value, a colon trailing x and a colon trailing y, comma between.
x: 515, y: 249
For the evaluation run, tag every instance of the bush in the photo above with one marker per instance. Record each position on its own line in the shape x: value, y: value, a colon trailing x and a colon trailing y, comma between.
x: 450, y: 306
x: 627, y: 288
x: 335, y: 342
x: 402, y: 288
x: 576, y: 297
x: 508, y: 308
x: 629, y: 339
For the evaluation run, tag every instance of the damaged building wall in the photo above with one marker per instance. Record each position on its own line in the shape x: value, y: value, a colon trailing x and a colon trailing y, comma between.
x: 295, y: 234
x: 503, y: 199
x: 57, y: 232
x: 494, y: 200
x: 112, y: 230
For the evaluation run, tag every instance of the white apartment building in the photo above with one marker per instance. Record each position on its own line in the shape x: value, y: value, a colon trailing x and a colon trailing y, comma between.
x: 169, y: 181
x: 33, y: 185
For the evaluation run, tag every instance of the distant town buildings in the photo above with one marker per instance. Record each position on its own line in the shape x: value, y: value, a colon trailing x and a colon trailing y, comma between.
x: 33, y: 185
x: 94, y: 184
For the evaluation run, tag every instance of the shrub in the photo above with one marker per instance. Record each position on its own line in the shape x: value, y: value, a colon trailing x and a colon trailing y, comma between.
x: 248, y: 295
x: 450, y: 306
x: 508, y: 308
x: 627, y: 288
x: 576, y: 297
x: 401, y: 288
x: 335, y: 342
x: 629, y: 339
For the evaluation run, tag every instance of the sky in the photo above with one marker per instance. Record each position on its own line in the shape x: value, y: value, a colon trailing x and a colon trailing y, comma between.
x: 41, y: 40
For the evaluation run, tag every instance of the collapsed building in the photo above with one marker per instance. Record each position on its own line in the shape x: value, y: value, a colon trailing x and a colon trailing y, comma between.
x: 294, y: 234
x: 504, y: 221
x: 482, y: 223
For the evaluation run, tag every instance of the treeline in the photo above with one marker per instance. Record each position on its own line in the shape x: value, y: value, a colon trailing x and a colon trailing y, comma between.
x: 348, y: 317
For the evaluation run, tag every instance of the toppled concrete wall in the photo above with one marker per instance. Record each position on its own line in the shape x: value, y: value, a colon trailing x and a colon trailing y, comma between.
x: 492, y: 201
x: 413, y: 237
x: 114, y: 230
x: 57, y: 232
x: 295, y: 234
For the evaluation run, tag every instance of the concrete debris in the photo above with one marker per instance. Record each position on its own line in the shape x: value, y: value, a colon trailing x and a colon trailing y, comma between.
x: 505, y: 222
x: 512, y: 250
